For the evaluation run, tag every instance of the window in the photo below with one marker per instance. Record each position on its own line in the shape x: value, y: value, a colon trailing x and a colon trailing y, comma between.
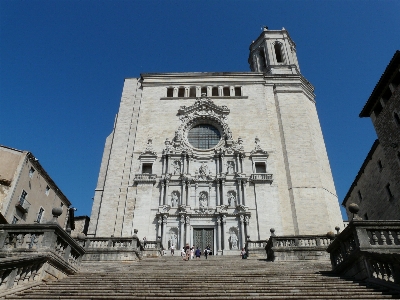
x: 204, y: 136
x: 47, y: 190
x: 170, y: 92
x: 192, y: 92
x: 380, y: 166
x: 14, y: 220
x: 263, y: 63
x: 377, y: 109
x: 260, y: 167
x: 359, y: 196
x: 204, y: 91
x: 396, y: 118
x: 147, y: 168
x: 40, y: 215
x: 238, y: 91
x: 388, y: 191
x: 62, y: 204
x: 31, y: 171
x: 181, y: 92
x: 23, y: 196
x: 214, y: 91
x: 278, y: 52
x: 227, y: 91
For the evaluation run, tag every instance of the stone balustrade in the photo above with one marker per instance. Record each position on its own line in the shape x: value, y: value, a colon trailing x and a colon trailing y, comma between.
x: 111, y: 248
x: 152, y: 248
x: 150, y: 178
x: 369, y: 251
x: 299, y: 247
x: 261, y: 177
x: 34, y: 252
x: 256, y: 248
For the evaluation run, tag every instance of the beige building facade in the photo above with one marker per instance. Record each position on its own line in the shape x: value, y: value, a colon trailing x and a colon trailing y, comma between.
x: 27, y: 192
x: 212, y: 158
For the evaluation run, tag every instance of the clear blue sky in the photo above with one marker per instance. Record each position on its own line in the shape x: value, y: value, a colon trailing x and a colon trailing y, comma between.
x: 63, y: 64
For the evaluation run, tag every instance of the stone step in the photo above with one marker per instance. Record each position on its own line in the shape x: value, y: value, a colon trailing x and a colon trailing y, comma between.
x: 216, y: 278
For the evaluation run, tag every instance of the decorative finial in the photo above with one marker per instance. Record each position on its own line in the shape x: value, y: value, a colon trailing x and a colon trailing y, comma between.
x: 354, y: 208
x: 272, y: 230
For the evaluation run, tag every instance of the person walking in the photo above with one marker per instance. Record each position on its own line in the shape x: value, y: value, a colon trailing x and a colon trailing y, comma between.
x: 183, y: 253
x: 243, y: 254
x: 187, y: 251
x: 192, y: 253
x: 198, y: 253
x: 172, y: 249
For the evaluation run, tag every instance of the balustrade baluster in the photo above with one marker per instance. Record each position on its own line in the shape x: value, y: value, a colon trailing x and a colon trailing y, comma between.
x: 374, y: 238
x: 383, y: 238
x: 391, y: 238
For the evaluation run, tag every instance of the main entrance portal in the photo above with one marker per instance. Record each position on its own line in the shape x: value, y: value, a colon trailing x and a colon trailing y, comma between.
x: 203, y: 238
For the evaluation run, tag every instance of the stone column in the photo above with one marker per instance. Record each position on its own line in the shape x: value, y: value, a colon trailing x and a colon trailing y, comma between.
x: 166, y: 192
x: 222, y: 162
x: 188, y: 165
x: 164, y: 233
x: 195, y: 193
x: 223, y: 193
x: 182, y: 238
x: 219, y: 234
x: 217, y: 162
x: 189, y: 187
x: 162, y: 193
x: 183, y: 163
x: 239, y: 195
x: 183, y: 195
x: 209, y: 195
x: 241, y: 163
x: 244, y: 193
x: 159, y: 222
x: 188, y: 230
x: 167, y: 163
x: 237, y: 162
x: 242, y: 233
x: 223, y: 225
x: 217, y: 194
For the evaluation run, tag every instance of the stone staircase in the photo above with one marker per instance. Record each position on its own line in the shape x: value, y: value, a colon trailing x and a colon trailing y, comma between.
x: 219, y: 277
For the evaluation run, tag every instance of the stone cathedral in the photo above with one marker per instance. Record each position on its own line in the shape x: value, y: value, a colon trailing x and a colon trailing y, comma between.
x: 212, y: 158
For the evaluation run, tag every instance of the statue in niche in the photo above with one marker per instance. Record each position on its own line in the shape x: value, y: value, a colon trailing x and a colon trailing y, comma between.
x: 230, y: 167
x: 231, y: 198
x: 234, y: 241
x: 203, y: 170
x: 173, y: 239
x: 174, y: 198
x: 203, y: 199
x: 177, y: 167
x: 168, y: 145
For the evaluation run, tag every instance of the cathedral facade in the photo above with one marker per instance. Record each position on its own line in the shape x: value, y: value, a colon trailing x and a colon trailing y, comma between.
x: 212, y: 158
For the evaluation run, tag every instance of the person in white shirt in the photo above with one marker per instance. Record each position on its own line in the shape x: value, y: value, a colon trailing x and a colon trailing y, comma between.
x: 172, y: 249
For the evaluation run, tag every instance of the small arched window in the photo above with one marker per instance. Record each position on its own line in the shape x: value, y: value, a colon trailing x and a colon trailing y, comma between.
x: 278, y: 52
x: 396, y: 118
x: 263, y: 63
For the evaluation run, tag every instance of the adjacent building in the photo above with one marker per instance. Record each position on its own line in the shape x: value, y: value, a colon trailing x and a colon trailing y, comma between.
x: 212, y: 158
x: 376, y: 188
x: 27, y: 192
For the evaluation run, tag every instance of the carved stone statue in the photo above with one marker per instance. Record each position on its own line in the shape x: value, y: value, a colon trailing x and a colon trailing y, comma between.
x: 231, y: 198
x: 174, y: 199
x: 177, y: 167
x: 203, y: 199
x: 173, y: 239
x: 203, y: 170
x: 230, y: 165
x: 234, y: 241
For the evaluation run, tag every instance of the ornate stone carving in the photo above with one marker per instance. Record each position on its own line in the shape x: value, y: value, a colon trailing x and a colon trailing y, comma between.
x: 175, y: 196
x: 231, y: 198
x: 165, y: 219
x: 187, y: 220
x: 176, y: 164
x: 233, y: 240
x: 203, y: 199
x: 230, y: 167
x: 257, y: 149
x: 202, y: 111
x: 149, y: 148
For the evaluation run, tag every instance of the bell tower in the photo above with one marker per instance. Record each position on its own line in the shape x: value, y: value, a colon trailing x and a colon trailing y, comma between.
x: 273, y: 52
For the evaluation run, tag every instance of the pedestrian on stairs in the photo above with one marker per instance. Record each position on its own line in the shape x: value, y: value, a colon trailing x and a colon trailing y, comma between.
x: 183, y: 253
x: 187, y: 251
x: 243, y: 254
x: 198, y: 253
x: 192, y: 253
x: 172, y: 249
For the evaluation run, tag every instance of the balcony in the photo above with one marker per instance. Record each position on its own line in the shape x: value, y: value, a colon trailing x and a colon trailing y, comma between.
x: 261, y: 177
x: 145, y: 178
x: 23, y: 205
